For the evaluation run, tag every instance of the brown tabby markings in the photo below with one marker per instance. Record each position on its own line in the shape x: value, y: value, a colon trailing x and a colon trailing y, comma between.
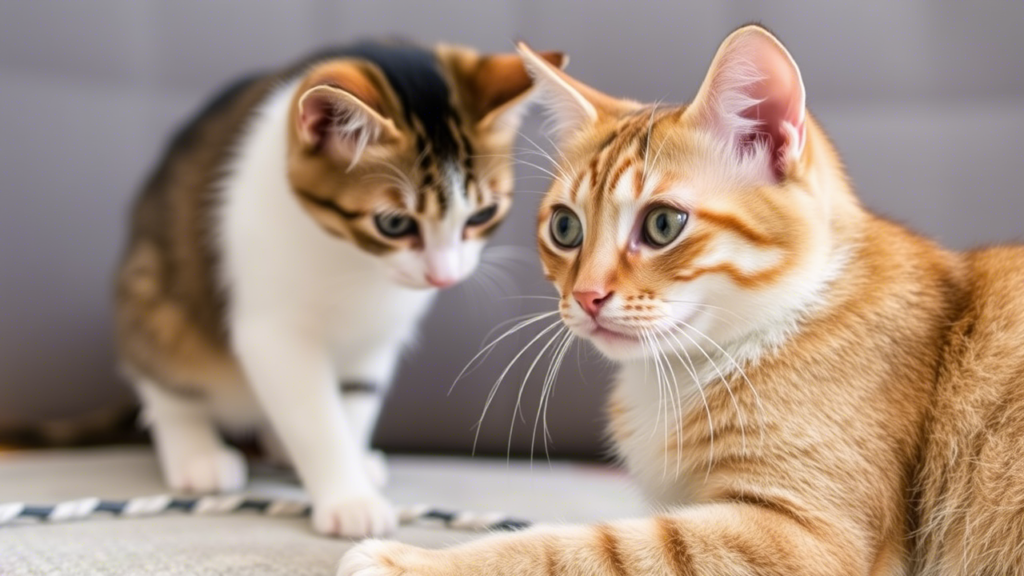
x: 608, y: 543
x: 674, y: 544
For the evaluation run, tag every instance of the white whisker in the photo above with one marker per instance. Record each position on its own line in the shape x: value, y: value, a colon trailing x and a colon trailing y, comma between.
x: 497, y: 383
x: 549, y: 380
x: 522, y: 387
x: 677, y: 405
x: 533, y: 318
x: 753, y: 390
x: 721, y: 376
x: 692, y: 369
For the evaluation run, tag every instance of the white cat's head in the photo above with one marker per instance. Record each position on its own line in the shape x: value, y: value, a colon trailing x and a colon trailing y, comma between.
x: 679, y: 225
x: 405, y: 153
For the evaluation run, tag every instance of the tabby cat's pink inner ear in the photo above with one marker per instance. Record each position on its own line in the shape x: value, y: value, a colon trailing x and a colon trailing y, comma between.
x: 335, y: 121
x: 753, y: 94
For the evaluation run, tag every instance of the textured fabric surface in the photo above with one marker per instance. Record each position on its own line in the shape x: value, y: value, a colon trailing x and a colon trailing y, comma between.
x: 250, y: 544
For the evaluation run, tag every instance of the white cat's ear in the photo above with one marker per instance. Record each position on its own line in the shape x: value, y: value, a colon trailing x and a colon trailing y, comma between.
x: 753, y: 96
x: 572, y: 105
x: 496, y: 87
x: 342, y: 122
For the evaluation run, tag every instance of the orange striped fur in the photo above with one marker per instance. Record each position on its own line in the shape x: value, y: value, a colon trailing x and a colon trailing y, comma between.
x: 804, y: 388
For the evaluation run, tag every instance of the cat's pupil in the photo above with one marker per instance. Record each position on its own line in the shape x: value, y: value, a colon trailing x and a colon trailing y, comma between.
x: 563, y: 225
x: 662, y: 223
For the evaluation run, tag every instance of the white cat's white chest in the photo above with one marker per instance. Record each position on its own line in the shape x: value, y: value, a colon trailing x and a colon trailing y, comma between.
x: 280, y: 267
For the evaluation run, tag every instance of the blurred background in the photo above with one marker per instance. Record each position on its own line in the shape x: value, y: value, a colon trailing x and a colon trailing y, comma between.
x: 924, y: 100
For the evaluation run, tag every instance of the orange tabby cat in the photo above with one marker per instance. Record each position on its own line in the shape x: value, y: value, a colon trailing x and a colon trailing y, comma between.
x: 805, y: 388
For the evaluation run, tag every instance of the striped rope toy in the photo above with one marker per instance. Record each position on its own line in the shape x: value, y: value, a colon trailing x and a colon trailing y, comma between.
x: 12, y: 513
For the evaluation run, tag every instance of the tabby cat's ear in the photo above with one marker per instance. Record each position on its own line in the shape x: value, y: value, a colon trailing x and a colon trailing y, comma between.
x: 340, y: 114
x: 753, y: 95
x: 573, y: 106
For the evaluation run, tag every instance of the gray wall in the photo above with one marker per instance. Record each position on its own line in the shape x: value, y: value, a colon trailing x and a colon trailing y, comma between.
x: 926, y: 102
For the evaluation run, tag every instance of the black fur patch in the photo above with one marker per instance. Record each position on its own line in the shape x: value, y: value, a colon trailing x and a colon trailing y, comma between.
x: 359, y: 388
x: 415, y: 75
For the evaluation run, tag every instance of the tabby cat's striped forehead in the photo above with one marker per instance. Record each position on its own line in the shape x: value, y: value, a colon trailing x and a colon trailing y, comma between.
x: 624, y: 147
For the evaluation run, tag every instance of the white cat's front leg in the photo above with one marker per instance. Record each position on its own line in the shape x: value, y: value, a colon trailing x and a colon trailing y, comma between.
x: 363, y: 388
x: 291, y: 373
x: 193, y: 457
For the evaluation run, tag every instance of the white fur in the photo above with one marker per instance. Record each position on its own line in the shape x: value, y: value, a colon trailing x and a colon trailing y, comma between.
x: 192, y: 455
x: 305, y: 312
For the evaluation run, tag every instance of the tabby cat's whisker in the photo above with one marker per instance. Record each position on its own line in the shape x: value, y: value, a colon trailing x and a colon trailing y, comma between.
x: 721, y: 376
x: 546, y: 392
x: 545, y: 154
x: 531, y: 297
x: 522, y: 388
x: 662, y: 405
x: 533, y: 318
x: 753, y: 390
x: 649, y: 345
x: 677, y: 406
x: 692, y: 369
x: 528, y: 163
x: 497, y: 383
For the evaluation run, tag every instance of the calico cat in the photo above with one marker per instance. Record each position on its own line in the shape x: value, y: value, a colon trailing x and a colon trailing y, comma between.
x: 288, y: 243
x: 804, y: 387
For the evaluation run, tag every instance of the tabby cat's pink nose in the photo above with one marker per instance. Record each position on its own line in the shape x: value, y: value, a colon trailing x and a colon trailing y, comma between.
x: 591, y: 300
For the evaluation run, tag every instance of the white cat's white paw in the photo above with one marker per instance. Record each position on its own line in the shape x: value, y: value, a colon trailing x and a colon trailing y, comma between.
x: 222, y: 470
x: 355, y: 517
x: 374, y: 558
x: 377, y: 468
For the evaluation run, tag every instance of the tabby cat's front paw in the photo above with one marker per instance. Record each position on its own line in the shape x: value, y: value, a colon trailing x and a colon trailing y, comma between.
x: 382, y: 558
x: 355, y: 516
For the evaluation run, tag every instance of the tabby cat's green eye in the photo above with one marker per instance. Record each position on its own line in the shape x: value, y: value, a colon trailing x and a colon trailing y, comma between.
x: 566, y: 228
x: 395, y: 225
x: 663, y: 225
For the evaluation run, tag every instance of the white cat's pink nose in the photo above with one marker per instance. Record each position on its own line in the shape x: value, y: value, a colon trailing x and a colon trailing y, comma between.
x: 441, y: 281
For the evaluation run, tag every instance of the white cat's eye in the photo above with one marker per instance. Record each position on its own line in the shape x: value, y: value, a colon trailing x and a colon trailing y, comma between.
x: 395, y: 225
x: 483, y: 216
x: 566, y: 228
x: 663, y: 225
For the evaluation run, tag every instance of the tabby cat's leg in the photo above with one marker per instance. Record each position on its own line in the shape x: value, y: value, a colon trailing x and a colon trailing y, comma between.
x: 192, y: 455
x: 295, y: 382
x: 712, y: 539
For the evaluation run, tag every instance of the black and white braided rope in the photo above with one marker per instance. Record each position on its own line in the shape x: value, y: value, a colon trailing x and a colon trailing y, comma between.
x: 13, y: 513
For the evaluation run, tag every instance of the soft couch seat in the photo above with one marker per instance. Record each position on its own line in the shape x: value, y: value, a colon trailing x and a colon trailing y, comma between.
x: 249, y: 544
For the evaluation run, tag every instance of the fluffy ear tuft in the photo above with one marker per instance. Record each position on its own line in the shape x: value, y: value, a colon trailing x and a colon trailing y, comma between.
x: 753, y: 96
x: 339, y: 122
x: 571, y: 104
